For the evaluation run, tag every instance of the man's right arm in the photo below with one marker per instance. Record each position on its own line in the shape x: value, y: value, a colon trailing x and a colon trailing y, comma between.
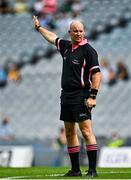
x: 48, y: 35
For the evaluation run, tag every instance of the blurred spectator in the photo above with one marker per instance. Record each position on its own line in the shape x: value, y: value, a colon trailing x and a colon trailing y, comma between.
x: 122, y: 71
x: 51, y: 21
x: 108, y: 75
x: 43, y: 20
x: 50, y: 52
x: 115, y: 140
x: 20, y: 6
x: 64, y: 21
x: 14, y: 73
x: 75, y: 16
x: 37, y: 7
x: 6, y: 131
x: 78, y: 6
x: 3, y: 77
x: 61, y: 137
x: 50, y: 6
x: 61, y: 141
x: 4, y: 7
x: 48, y: 20
x: 66, y: 6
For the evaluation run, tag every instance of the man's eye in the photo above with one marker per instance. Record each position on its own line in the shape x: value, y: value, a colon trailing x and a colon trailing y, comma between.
x: 78, y: 31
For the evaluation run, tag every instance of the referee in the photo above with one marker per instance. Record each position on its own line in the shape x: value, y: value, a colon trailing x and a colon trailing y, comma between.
x: 80, y: 83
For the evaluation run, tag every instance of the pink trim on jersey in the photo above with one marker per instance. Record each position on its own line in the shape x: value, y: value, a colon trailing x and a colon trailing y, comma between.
x: 82, y: 73
x: 94, y: 67
x: 73, y: 149
x: 83, y: 42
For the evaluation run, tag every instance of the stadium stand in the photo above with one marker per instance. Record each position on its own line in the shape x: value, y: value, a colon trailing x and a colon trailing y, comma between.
x: 33, y: 104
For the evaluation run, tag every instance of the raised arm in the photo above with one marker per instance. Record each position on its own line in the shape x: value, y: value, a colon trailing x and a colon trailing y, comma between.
x: 48, y: 35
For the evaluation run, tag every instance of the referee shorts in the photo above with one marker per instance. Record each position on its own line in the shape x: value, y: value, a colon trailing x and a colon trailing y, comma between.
x: 74, y: 112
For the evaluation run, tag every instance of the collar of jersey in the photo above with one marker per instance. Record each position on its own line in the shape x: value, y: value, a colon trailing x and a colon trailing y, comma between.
x: 83, y: 42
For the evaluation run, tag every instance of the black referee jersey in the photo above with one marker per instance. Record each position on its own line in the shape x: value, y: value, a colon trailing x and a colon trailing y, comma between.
x: 79, y: 62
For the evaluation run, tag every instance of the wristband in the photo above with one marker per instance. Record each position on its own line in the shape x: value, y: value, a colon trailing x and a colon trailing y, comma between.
x: 92, y: 96
x: 38, y: 27
x: 93, y: 93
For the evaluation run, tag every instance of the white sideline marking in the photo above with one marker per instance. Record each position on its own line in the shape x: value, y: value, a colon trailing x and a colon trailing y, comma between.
x: 99, y: 172
x: 53, y: 175
x: 19, y: 177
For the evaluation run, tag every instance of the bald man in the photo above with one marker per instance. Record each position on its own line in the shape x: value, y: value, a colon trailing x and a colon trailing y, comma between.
x: 80, y: 83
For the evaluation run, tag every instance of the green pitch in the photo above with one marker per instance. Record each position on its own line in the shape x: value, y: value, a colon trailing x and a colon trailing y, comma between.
x: 57, y: 173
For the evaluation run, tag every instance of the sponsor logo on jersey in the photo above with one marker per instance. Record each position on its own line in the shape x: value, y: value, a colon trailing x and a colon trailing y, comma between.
x: 82, y: 114
x: 76, y: 61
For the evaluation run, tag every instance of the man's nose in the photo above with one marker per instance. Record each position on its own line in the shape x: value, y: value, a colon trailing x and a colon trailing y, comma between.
x: 78, y: 33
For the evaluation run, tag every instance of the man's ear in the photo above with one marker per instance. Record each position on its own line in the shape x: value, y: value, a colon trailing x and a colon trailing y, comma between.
x: 69, y: 32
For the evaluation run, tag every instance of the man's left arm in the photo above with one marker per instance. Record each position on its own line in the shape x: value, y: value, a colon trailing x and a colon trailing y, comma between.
x: 95, y: 76
x: 96, y: 79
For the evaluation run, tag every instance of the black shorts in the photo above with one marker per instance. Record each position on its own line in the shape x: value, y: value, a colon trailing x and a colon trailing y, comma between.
x: 74, y: 113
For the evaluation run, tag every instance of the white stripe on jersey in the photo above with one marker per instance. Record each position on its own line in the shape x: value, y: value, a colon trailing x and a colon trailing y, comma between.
x: 82, y: 73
